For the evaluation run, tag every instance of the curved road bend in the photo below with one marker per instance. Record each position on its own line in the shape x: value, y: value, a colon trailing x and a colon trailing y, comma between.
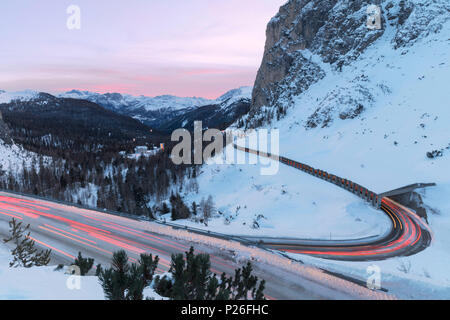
x: 67, y: 230
x: 409, y: 235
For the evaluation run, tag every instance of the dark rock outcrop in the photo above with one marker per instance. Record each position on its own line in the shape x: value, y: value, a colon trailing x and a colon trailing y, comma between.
x: 217, y: 116
x: 334, y: 30
x: 5, y: 132
x: 307, y: 37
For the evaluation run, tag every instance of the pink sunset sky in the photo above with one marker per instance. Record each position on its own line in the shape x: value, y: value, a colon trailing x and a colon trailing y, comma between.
x: 142, y: 47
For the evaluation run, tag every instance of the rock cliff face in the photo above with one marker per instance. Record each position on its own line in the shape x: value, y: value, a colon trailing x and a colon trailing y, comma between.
x: 308, y: 38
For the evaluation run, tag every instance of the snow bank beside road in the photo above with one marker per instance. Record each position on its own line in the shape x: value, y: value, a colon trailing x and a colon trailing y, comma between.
x: 42, y: 283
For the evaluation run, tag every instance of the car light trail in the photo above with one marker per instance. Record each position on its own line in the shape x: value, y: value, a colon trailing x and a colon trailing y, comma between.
x: 71, y: 234
x: 76, y: 240
x: 409, y: 234
x: 11, y: 215
x: 53, y: 248
x: 139, y: 233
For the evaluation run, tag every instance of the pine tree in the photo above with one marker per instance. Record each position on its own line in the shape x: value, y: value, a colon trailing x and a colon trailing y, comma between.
x: 177, y: 268
x: 194, y: 208
x: 114, y: 280
x: 248, y: 282
x: 150, y: 214
x: 173, y: 214
x: 224, y: 292
x: 207, y: 207
x: 25, y: 253
x: 165, y: 209
x: 149, y: 266
x: 121, y: 268
x: 2, y: 172
x: 163, y: 286
x: 127, y: 282
x: 85, y: 264
x: 135, y: 283
x: 179, y: 208
x: 192, y: 279
x: 107, y: 280
x: 211, y: 290
x: 98, y: 270
x: 259, y: 293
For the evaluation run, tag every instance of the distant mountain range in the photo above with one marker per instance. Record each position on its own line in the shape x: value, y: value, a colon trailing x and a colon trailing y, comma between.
x: 219, y: 114
x: 42, y: 114
x: 162, y: 113
x: 170, y: 112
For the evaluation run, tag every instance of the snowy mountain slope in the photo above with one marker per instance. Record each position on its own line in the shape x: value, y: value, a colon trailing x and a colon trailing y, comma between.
x: 288, y: 204
x: 242, y: 93
x: 152, y: 111
x: 373, y: 121
x: 7, y: 97
x: 388, y: 145
x: 219, y: 114
x: 398, y: 113
x: 380, y: 114
x: 336, y: 33
x: 161, y: 112
x: 378, y: 118
x: 12, y: 156
x: 119, y: 101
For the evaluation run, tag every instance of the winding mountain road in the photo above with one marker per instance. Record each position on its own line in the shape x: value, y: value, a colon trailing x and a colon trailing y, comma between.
x: 69, y: 229
x: 408, y: 235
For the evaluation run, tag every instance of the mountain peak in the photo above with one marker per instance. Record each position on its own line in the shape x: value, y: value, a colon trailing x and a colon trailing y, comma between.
x: 7, y: 97
x: 309, y: 39
x: 236, y: 94
x: 118, y: 101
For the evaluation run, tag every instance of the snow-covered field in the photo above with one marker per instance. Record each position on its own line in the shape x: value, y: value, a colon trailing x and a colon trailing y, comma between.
x: 288, y: 204
x: 46, y: 283
x: 42, y: 283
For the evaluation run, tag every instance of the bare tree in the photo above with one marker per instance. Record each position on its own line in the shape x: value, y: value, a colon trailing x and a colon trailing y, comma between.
x: 405, y: 266
x: 207, y: 207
